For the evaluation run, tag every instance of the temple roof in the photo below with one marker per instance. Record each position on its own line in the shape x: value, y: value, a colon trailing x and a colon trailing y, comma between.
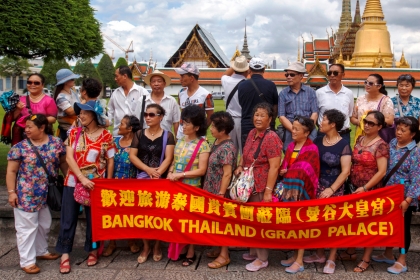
x: 210, y: 50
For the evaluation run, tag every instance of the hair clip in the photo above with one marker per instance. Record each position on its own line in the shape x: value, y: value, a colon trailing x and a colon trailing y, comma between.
x: 33, y: 117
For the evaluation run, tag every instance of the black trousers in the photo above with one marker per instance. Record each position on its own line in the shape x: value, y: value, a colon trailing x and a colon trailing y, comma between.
x: 68, y: 223
x: 407, y: 223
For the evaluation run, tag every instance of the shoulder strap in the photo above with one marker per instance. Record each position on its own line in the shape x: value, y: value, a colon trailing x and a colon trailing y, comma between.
x: 259, y: 145
x: 193, y: 156
x: 380, y: 102
x: 28, y: 104
x: 399, y: 106
x: 143, y: 103
x: 232, y: 93
x: 165, y: 140
x: 258, y: 91
x: 393, y: 170
x: 79, y: 131
x: 39, y: 158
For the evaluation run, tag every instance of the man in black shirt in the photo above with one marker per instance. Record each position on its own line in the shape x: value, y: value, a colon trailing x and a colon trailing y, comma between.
x: 250, y: 95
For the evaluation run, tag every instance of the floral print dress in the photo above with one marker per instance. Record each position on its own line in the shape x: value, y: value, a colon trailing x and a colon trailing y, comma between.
x: 123, y: 168
x: 32, y: 182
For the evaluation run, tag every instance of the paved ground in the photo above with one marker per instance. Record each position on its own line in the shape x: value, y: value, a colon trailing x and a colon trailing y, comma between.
x: 123, y: 265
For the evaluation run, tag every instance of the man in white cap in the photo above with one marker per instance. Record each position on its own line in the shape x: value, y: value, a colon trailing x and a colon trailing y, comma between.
x: 254, y: 91
x: 125, y: 100
x: 158, y: 81
x: 235, y: 75
x: 296, y: 100
x: 192, y: 93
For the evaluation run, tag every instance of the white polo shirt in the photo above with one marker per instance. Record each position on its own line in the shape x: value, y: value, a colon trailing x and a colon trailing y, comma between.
x: 172, y: 111
x: 228, y: 84
x: 119, y: 105
x: 342, y: 101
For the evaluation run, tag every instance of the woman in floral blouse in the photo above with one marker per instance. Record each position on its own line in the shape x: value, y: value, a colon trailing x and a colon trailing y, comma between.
x: 27, y: 185
x: 123, y: 168
x: 222, y: 162
x: 408, y: 174
x: 90, y: 152
x: 266, y: 168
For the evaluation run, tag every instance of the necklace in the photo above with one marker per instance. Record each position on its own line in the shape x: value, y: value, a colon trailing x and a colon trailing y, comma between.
x: 364, y: 140
x: 90, y: 133
x: 329, y: 143
x: 67, y: 91
x: 361, y: 150
x: 36, y: 98
x: 153, y: 134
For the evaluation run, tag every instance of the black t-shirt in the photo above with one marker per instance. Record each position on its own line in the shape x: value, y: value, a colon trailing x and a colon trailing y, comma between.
x: 149, y: 151
x: 248, y: 98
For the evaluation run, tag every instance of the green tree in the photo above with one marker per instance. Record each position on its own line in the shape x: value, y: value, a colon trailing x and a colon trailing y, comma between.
x: 106, y: 71
x: 49, y: 29
x: 50, y: 68
x: 13, y: 67
x: 85, y: 69
x: 121, y: 62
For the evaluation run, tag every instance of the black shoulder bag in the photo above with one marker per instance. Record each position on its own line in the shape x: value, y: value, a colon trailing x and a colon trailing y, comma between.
x: 260, y: 94
x: 55, y: 185
x: 143, y: 104
x: 393, y: 170
x: 232, y: 93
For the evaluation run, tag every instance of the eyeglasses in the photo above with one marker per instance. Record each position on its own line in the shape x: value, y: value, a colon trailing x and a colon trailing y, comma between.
x: 151, y: 115
x: 369, y: 123
x: 371, y: 84
x: 405, y: 76
x: 290, y: 74
x: 37, y: 83
x: 334, y: 73
x: 184, y: 122
x: 405, y: 121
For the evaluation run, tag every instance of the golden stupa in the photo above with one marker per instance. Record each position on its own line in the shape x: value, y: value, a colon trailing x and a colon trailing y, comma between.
x: 373, y: 44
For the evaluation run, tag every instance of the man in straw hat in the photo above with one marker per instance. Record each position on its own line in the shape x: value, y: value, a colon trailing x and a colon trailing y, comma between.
x: 254, y: 91
x: 192, y: 93
x: 296, y: 100
x: 235, y: 75
x: 125, y: 100
x: 158, y: 81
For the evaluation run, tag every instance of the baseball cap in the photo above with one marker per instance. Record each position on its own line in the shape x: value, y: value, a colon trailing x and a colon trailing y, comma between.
x: 257, y: 63
x: 188, y: 68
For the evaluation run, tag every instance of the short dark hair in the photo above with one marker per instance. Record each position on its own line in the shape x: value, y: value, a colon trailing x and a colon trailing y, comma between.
x: 192, y: 75
x: 157, y: 107
x: 197, y: 116
x: 40, y: 120
x: 413, y: 125
x: 240, y: 73
x: 379, y: 117
x: 265, y: 106
x: 125, y: 70
x: 223, y: 121
x: 257, y: 70
x: 342, y: 68
x: 133, y: 122
x: 380, y: 81
x: 42, y: 77
x: 406, y: 77
x: 92, y: 87
x: 335, y: 116
x: 306, y: 122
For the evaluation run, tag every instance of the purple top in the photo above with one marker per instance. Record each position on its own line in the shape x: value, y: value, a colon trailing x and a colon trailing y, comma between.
x: 45, y: 106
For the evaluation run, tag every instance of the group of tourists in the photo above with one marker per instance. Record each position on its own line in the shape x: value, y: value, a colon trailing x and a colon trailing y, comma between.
x: 157, y: 136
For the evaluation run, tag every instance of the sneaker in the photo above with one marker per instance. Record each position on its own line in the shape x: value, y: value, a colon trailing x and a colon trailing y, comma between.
x: 396, y: 270
x: 382, y: 259
x: 294, y: 268
x: 314, y: 259
x: 249, y: 257
x: 253, y: 267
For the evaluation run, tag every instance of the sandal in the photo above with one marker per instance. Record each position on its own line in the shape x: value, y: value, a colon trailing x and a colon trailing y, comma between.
x: 141, y: 259
x: 347, y: 256
x: 133, y: 247
x: 329, y: 267
x: 33, y: 269
x: 215, y: 264
x: 383, y: 259
x: 213, y: 254
x: 360, y: 268
x: 63, y: 265
x: 92, y: 259
x: 189, y: 261
x: 157, y: 257
x: 109, y: 251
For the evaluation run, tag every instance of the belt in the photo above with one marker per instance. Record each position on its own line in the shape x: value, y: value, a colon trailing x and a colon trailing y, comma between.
x: 341, y: 132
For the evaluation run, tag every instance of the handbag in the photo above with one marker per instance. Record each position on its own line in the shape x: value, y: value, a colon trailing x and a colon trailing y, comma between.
x: 9, y: 100
x: 143, y: 174
x: 349, y: 188
x: 387, y: 133
x: 55, y: 184
x: 243, y: 186
x: 81, y: 194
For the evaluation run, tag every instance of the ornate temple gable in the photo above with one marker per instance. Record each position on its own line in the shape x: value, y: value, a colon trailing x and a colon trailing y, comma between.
x: 319, y: 48
x: 236, y: 54
x: 199, y: 48
x: 403, y: 62
x: 317, y: 74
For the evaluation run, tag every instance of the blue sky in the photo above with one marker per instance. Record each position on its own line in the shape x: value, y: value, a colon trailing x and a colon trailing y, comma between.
x: 273, y: 26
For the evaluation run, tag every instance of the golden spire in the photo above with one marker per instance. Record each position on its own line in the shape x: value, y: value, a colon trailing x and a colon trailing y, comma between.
x: 298, y: 56
x: 373, y: 11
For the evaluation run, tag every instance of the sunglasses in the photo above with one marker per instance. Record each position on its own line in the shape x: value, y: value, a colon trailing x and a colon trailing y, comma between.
x: 369, y: 123
x: 405, y: 76
x: 405, y: 121
x: 290, y: 74
x: 333, y: 73
x: 152, y: 115
x: 371, y: 84
x: 37, y: 83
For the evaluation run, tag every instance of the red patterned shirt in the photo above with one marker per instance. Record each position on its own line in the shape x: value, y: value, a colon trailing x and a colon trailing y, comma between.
x: 271, y: 147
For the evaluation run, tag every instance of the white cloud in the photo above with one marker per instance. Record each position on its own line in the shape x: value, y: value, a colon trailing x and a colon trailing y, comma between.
x: 136, y: 8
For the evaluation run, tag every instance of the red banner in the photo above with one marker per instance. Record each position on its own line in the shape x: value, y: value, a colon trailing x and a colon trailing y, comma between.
x: 175, y: 212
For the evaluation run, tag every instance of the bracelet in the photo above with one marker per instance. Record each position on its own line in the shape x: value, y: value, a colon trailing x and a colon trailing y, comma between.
x: 239, y: 166
x: 220, y: 194
x: 78, y: 176
x: 407, y: 201
x: 11, y: 191
x: 184, y: 175
x: 364, y: 188
x: 268, y: 188
x: 332, y: 189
